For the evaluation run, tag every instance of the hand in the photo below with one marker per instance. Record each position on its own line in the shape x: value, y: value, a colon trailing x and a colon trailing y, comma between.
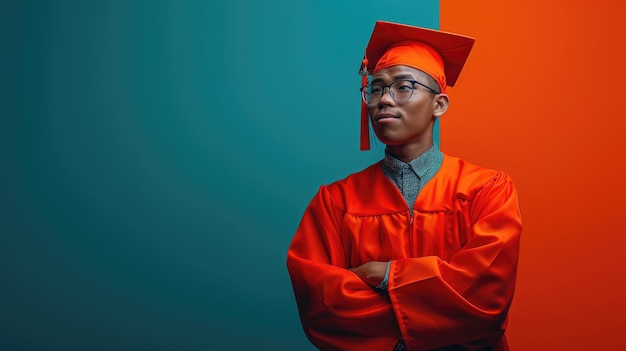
x: 371, y: 273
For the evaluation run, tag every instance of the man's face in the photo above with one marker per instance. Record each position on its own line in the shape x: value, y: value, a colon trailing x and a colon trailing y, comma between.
x: 404, y: 123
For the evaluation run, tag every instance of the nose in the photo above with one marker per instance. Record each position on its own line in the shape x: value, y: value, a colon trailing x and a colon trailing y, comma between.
x: 386, y: 99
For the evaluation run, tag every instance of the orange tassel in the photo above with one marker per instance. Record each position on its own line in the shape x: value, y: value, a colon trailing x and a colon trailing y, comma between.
x: 365, y: 127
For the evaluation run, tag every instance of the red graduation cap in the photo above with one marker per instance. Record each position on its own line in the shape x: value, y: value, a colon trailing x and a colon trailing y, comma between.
x: 439, y: 54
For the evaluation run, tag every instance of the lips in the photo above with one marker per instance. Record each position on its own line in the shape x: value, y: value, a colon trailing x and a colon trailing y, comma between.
x: 385, y: 116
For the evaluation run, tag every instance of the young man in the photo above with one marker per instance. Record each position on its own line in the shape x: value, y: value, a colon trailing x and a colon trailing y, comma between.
x: 418, y: 251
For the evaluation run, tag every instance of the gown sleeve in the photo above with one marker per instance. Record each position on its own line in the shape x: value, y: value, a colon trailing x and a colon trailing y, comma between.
x: 464, y: 300
x: 337, y: 309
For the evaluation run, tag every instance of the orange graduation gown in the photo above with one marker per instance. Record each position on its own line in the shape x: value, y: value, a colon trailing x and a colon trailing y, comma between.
x: 453, y: 263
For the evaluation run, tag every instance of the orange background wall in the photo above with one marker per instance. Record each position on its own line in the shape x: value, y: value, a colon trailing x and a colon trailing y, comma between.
x: 542, y: 97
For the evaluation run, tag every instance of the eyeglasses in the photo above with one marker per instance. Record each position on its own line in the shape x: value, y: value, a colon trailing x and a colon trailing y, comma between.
x: 400, y: 90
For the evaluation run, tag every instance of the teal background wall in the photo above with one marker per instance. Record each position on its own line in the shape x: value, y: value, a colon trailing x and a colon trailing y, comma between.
x: 156, y: 158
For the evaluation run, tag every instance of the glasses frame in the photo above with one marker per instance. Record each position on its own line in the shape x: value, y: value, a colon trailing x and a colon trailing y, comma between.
x: 363, y: 89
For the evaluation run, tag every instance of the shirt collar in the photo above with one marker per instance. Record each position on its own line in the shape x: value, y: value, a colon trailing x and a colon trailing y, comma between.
x: 420, y: 165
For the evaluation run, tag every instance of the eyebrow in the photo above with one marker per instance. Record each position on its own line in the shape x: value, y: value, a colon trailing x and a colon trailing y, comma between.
x: 398, y: 77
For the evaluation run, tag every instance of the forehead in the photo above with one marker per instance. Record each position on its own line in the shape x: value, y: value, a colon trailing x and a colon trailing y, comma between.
x: 397, y: 72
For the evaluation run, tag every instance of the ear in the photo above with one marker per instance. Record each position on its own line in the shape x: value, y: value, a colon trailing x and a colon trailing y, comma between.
x: 441, y: 103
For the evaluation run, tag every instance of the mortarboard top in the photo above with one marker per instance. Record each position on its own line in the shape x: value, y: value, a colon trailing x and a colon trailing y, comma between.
x: 453, y: 48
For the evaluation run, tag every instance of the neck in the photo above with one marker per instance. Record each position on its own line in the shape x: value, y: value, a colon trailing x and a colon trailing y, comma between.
x: 406, y: 153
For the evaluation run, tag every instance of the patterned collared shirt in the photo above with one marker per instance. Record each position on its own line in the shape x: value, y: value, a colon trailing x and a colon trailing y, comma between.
x: 410, y: 177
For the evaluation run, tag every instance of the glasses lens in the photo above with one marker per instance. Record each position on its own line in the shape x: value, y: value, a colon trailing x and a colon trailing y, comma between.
x: 372, y: 93
x: 365, y: 94
x: 401, y: 90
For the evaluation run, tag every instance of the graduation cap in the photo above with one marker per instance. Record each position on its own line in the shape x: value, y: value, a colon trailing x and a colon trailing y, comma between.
x: 437, y: 53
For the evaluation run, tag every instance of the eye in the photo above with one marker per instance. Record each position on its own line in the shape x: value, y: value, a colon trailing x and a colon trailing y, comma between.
x: 376, y: 89
x: 404, y: 86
